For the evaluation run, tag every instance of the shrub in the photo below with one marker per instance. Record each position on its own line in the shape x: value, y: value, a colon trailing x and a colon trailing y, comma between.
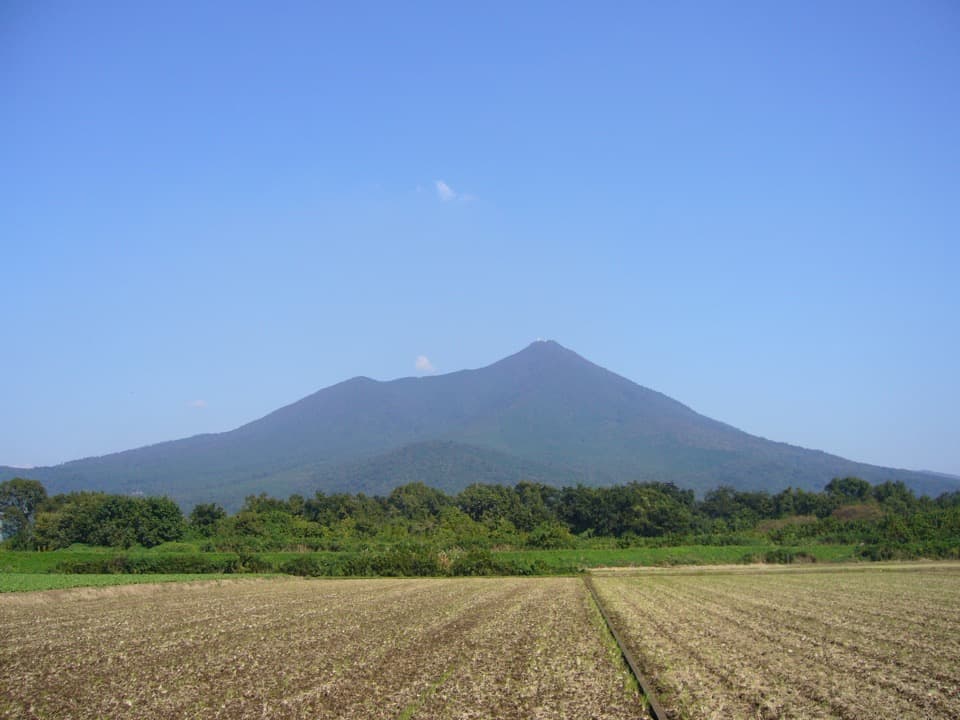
x: 164, y: 564
x: 550, y: 536
x: 479, y: 562
x: 308, y: 566
x: 779, y: 556
x: 175, y: 547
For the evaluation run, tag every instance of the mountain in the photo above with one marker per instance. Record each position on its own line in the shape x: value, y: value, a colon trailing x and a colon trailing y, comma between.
x: 543, y: 414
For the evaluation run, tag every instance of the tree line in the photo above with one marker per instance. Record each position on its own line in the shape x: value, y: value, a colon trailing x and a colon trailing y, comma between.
x: 888, y: 517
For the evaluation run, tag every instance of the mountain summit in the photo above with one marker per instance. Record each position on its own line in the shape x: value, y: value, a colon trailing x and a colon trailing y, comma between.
x: 544, y: 413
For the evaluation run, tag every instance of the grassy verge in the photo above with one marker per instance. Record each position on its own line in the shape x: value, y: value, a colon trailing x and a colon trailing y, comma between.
x: 27, y: 582
x: 572, y: 560
x: 75, y: 567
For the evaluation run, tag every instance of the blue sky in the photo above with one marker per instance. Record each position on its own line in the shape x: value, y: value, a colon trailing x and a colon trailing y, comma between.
x: 209, y: 212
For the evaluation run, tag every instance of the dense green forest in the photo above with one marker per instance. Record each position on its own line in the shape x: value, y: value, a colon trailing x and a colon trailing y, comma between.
x: 885, y: 521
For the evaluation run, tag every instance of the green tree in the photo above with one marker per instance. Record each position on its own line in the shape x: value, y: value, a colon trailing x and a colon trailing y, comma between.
x: 895, y: 496
x: 537, y: 503
x: 488, y: 503
x: 19, y: 501
x: 550, y: 536
x: 205, y: 518
x: 159, y: 520
x: 416, y: 501
x: 849, y: 489
x: 263, y: 503
x: 110, y: 520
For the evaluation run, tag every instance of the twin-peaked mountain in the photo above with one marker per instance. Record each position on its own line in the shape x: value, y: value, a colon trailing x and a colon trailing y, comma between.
x: 543, y: 414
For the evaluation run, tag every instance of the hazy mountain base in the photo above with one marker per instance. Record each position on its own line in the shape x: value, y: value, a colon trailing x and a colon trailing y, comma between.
x: 451, y: 467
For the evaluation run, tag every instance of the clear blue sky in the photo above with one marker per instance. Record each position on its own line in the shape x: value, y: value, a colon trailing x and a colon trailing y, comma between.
x: 209, y: 210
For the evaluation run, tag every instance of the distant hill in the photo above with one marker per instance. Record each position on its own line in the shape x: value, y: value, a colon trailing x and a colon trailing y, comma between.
x: 544, y: 413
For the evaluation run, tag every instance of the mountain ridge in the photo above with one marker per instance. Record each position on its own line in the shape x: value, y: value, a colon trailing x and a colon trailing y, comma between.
x: 543, y: 413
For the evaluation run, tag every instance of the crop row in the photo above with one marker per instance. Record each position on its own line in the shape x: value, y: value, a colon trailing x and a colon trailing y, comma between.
x: 795, y: 645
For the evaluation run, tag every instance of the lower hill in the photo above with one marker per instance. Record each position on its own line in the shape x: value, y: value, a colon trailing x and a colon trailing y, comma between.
x: 445, y: 465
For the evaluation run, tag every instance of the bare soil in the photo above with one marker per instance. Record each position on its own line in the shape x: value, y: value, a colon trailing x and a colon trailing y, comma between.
x: 862, y: 643
x: 295, y: 648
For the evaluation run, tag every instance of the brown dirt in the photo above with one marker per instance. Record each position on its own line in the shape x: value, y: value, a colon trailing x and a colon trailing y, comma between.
x: 861, y: 644
x: 295, y: 648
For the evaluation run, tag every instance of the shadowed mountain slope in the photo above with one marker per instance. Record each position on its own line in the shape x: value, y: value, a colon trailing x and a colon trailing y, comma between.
x: 544, y: 413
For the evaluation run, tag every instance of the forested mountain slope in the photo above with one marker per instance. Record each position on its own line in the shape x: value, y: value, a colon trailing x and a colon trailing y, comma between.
x: 544, y: 413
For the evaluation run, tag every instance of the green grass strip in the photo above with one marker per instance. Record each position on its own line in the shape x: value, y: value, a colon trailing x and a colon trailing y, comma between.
x: 31, y: 582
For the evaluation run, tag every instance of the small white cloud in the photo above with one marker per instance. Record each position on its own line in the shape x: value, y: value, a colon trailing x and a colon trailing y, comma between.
x: 199, y: 404
x: 423, y: 364
x: 444, y: 191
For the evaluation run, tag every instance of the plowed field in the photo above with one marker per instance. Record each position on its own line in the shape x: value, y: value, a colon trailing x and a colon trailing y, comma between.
x: 874, y: 643
x: 293, y: 648
x: 868, y: 642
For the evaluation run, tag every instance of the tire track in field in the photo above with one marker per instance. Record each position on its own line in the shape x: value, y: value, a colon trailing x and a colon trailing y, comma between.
x: 646, y: 686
